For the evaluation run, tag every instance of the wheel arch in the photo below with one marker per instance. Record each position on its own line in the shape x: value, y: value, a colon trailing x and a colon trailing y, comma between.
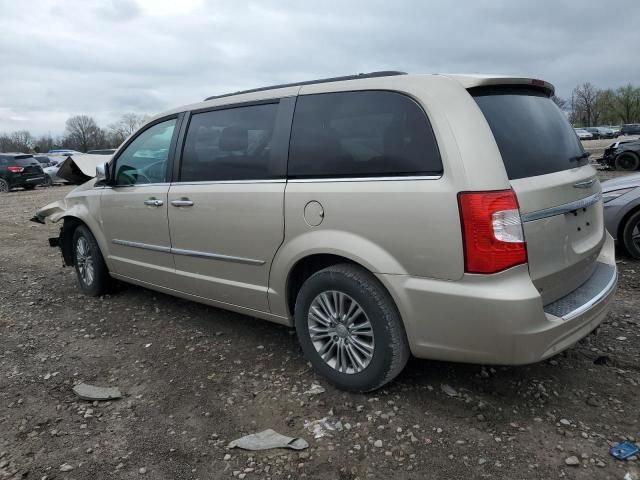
x: 69, y: 225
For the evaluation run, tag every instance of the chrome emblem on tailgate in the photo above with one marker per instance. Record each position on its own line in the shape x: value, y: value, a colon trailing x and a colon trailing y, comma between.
x: 585, y: 184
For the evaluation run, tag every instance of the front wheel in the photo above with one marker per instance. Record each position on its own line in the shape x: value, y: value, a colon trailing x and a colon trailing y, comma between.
x: 92, y: 273
x: 631, y: 235
x: 349, y: 328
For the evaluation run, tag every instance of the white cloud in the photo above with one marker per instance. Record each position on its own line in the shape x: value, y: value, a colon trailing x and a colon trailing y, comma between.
x: 108, y: 57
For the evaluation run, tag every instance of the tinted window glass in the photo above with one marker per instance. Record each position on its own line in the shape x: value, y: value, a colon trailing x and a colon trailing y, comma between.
x: 532, y: 133
x: 24, y: 161
x: 356, y: 134
x: 231, y: 144
x: 145, y: 159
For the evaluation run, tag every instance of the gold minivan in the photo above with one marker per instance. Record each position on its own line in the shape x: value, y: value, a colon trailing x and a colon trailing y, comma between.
x: 446, y: 216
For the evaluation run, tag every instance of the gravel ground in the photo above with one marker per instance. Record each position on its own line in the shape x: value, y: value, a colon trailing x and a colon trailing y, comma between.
x: 195, y: 377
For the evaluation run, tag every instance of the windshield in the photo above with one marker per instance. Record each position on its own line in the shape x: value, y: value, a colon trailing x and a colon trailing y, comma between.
x: 532, y: 133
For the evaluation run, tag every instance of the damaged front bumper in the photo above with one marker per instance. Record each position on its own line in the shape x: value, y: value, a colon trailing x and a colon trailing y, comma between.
x: 54, y: 212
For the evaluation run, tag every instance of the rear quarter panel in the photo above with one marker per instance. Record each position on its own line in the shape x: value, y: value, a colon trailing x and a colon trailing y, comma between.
x: 398, y: 227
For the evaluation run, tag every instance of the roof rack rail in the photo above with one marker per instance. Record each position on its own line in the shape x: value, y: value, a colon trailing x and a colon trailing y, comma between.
x: 388, y: 73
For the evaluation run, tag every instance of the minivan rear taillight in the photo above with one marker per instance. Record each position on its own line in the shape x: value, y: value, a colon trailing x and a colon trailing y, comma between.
x: 16, y: 169
x: 492, y: 231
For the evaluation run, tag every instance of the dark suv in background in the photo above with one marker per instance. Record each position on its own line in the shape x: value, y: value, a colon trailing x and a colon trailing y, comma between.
x: 630, y: 129
x: 20, y: 170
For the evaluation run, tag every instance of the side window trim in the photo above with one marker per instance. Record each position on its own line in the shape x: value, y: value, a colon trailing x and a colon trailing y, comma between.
x: 282, y: 134
x: 174, y: 138
x: 356, y: 178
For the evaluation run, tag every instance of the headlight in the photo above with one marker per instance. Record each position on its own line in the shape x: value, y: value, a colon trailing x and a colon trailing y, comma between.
x: 613, y: 194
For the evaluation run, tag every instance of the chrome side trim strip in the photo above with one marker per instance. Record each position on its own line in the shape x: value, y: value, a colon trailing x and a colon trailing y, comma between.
x: 162, y: 184
x: 595, y: 300
x: 562, y: 209
x: 145, y: 246
x: 216, y: 256
x: 365, y: 179
x: 224, y: 182
x: 188, y: 253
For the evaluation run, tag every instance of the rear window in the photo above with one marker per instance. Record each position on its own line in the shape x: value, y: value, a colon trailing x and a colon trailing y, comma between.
x: 24, y: 161
x: 532, y: 133
x: 361, y: 134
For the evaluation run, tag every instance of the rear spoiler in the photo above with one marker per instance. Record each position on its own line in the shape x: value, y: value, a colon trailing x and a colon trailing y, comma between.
x: 472, y: 81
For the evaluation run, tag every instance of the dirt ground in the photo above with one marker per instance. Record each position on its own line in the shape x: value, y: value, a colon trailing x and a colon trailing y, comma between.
x: 195, y: 377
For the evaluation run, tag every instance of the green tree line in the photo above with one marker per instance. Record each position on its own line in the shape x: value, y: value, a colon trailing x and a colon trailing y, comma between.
x: 590, y: 106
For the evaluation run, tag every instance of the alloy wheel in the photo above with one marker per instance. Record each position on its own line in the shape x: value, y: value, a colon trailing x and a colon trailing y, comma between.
x: 341, y: 332
x: 84, y: 261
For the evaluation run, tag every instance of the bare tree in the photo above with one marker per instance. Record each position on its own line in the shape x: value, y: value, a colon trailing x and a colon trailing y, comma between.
x: 83, y: 133
x: 43, y: 144
x: 127, y: 124
x: 585, y: 97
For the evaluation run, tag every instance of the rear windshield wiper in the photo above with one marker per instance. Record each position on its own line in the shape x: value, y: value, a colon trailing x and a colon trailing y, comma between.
x: 582, y: 156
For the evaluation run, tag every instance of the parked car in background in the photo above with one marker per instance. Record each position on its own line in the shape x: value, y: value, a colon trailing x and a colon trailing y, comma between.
x: 621, y: 197
x: 62, y: 151
x: 44, y: 160
x: 594, y: 131
x: 583, y: 134
x: 52, y: 173
x: 606, y: 132
x: 630, y: 129
x: 19, y: 170
x: 615, y: 128
x: 104, y: 151
x: 454, y: 217
x: 623, y: 155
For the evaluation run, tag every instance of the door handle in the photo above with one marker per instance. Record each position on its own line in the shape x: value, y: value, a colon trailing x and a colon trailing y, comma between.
x: 153, y: 202
x: 183, y: 202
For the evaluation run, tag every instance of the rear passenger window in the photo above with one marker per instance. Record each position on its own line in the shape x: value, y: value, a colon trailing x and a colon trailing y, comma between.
x: 231, y: 144
x: 361, y: 134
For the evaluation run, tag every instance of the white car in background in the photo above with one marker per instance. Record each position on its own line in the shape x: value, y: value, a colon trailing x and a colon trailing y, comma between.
x: 583, y: 134
x: 52, y: 173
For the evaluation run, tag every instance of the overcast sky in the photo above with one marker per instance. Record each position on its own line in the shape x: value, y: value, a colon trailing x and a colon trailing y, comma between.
x: 108, y: 57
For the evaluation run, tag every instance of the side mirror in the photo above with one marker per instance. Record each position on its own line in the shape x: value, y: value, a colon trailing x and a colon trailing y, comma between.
x: 102, y: 173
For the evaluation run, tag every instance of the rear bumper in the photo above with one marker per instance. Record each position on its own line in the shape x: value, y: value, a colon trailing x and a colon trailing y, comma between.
x: 20, y: 181
x: 499, y: 319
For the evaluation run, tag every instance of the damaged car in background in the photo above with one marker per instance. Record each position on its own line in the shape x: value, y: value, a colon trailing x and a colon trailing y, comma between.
x: 75, y: 169
x: 623, y: 155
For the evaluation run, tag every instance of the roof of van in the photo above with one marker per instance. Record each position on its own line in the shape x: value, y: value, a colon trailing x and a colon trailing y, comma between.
x: 291, y: 89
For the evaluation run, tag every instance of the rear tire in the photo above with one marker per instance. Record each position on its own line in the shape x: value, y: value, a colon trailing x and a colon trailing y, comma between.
x: 4, y: 186
x: 631, y: 235
x: 356, y: 349
x: 627, y: 162
x: 92, y: 273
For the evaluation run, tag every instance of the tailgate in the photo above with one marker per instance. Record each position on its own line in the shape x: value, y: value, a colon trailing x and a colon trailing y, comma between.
x: 557, y: 189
